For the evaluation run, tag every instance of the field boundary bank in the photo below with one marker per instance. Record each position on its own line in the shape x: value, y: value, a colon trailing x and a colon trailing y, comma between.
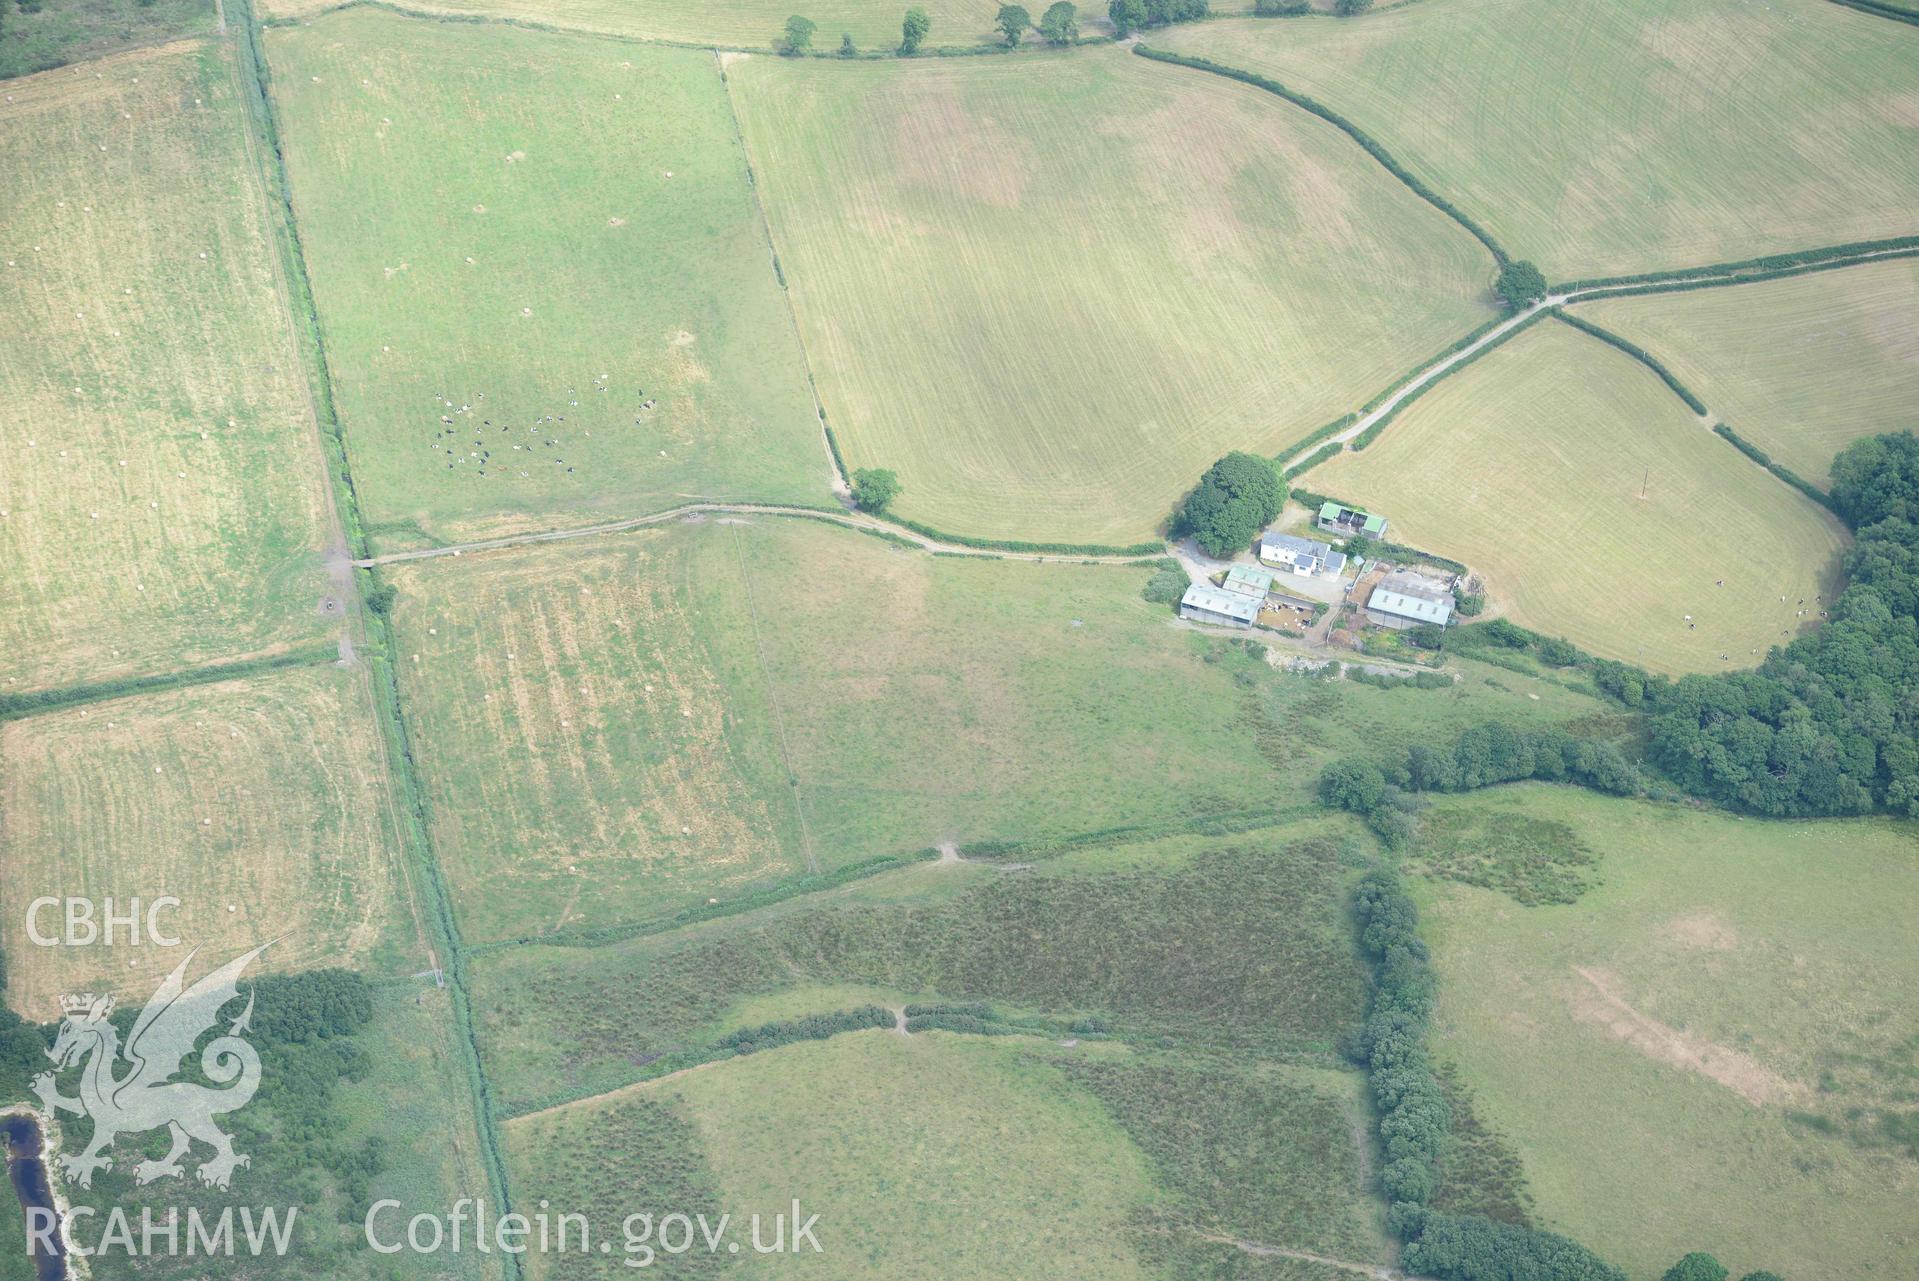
x: 1367, y: 142
x: 397, y: 750
x: 1007, y: 855
x: 916, y: 536
x: 1367, y: 422
x: 309, y: 654
x: 936, y: 53
x: 1718, y: 425
x: 842, y: 483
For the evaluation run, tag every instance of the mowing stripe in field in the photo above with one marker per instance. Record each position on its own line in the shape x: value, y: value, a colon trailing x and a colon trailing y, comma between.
x: 1615, y: 136
x: 1048, y: 301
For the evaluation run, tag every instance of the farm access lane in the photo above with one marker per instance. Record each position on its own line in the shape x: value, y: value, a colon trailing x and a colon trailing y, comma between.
x: 850, y: 519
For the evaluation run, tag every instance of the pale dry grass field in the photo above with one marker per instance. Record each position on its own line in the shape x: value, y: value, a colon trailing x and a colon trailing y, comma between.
x: 1050, y: 295
x: 262, y: 804
x: 1800, y: 367
x: 1612, y: 136
x: 1529, y: 465
x: 160, y: 501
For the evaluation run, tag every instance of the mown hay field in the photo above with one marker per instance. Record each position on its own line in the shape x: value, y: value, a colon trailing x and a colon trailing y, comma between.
x: 1800, y: 367
x: 1049, y: 296
x: 748, y: 24
x: 1612, y: 136
x: 160, y: 500
x: 1529, y: 465
x: 261, y: 804
x: 1731, y: 995
x: 546, y: 289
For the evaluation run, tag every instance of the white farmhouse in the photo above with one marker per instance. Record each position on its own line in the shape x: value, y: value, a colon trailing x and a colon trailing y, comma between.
x: 1307, y: 557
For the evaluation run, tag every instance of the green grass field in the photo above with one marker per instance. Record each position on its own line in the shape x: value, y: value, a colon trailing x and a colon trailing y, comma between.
x: 160, y: 499
x: 925, y: 1156
x: 1555, y: 413
x: 1733, y: 997
x: 612, y: 731
x: 544, y: 284
x: 1800, y: 367
x: 1050, y: 294
x: 750, y: 24
x: 262, y: 805
x: 1611, y: 136
x: 63, y: 31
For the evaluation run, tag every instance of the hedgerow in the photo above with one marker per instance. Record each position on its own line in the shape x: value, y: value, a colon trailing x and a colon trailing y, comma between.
x: 1378, y: 425
x: 1641, y: 355
x: 1765, y: 460
x: 1351, y: 130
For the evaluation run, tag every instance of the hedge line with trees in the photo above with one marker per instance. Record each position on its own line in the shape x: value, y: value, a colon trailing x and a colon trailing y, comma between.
x: 1129, y: 16
x: 1641, y: 355
x: 1765, y: 460
x: 1769, y: 262
x: 1415, y: 1122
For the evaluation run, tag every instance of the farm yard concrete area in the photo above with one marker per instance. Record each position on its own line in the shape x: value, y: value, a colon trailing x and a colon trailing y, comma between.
x: 1144, y: 642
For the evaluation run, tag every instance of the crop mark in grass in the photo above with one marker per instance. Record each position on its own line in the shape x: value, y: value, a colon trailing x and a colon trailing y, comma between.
x: 1598, y: 1001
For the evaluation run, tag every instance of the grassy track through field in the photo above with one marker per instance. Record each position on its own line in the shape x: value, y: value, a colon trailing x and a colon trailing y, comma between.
x: 1621, y: 135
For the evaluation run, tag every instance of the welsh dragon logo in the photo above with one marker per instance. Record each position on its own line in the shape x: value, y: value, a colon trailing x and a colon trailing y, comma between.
x: 146, y: 1097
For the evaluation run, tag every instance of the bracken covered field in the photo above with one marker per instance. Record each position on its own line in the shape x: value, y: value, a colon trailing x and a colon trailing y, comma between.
x: 1050, y: 295
x: 545, y: 286
x: 267, y: 794
x: 160, y: 501
x: 1732, y: 995
x: 1529, y: 465
x: 1610, y: 136
x: 1800, y: 367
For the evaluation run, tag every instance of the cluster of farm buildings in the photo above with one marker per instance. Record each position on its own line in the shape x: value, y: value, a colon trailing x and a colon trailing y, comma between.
x: 1399, y: 600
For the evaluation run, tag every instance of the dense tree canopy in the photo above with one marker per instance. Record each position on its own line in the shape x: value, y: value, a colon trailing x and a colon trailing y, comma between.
x: 1520, y: 284
x: 799, y: 34
x: 913, y: 29
x: 1239, y: 495
x: 1697, y: 1266
x: 1830, y: 723
x: 1060, y: 23
x: 1012, y: 22
x: 874, y: 488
